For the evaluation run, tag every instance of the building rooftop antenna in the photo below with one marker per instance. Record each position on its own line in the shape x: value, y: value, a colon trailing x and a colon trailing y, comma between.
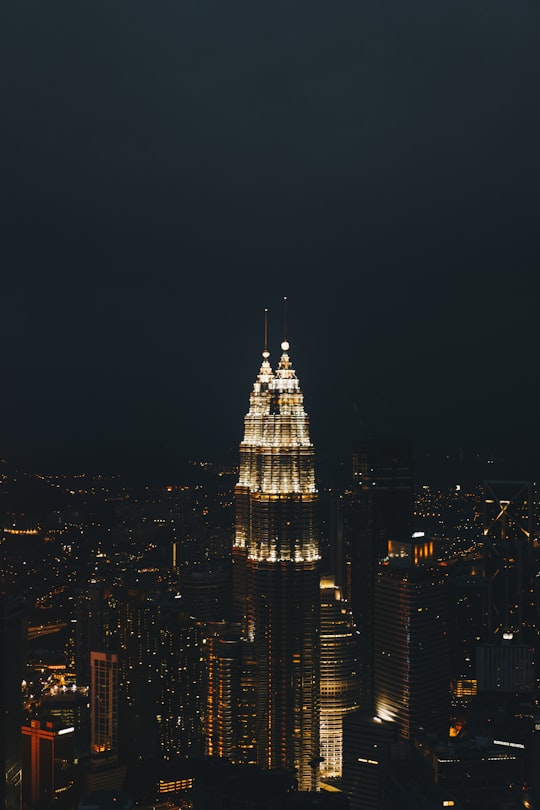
x: 266, y: 353
x: 285, y: 343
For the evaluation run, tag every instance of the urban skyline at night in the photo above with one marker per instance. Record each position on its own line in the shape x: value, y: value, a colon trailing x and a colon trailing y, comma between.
x: 269, y: 445
x: 246, y: 629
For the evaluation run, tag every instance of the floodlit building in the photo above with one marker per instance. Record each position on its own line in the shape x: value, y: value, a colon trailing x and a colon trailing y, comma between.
x: 339, y: 674
x: 276, y: 570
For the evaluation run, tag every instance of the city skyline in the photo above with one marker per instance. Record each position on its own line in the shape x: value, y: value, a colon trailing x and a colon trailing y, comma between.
x: 376, y: 163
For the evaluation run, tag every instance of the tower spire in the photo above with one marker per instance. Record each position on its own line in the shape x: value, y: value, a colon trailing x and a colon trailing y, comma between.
x: 266, y: 353
x: 285, y: 343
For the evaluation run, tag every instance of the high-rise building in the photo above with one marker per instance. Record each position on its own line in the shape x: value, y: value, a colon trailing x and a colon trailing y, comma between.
x: 138, y: 659
x: 181, y: 686
x: 48, y: 764
x: 366, y: 756
x: 104, y: 706
x: 12, y: 635
x: 411, y: 640
x: 339, y: 674
x: 230, y: 711
x: 382, y: 509
x: 276, y: 570
x: 104, y: 771
x: 508, y: 559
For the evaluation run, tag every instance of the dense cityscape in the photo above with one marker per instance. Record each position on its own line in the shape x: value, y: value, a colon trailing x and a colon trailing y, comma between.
x: 251, y: 635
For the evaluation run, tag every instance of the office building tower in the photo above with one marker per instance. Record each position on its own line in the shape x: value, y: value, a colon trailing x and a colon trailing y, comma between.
x: 48, y: 765
x: 367, y: 741
x: 138, y: 658
x: 104, y: 770
x: 382, y: 509
x: 508, y: 559
x: 70, y: 708
x: 92, y: 623
x: 339, y: 674
x: 231, y: 705
x: 505, y: 668
x: 205, y: 591
x: 276, y: 570
x: 224, y: 663
x: 411, y: 641
x: 182, y: 686
x: 104, y: 706
x: 12, y: 650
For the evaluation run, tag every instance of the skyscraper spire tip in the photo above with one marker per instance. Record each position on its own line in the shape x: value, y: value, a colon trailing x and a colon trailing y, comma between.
x: 285, y: 342
x: 266, y: 353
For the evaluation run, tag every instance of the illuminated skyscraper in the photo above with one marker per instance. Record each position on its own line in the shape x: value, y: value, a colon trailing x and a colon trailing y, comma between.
x: 276, y: 570
x: 339, y: 674
x: 104, y: 705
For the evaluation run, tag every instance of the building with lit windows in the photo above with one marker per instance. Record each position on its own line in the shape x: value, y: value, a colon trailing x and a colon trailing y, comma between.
x: 411, y: 641
x: 104, y: 705
x: 182, y: 686
x: 276, y: 570
x: 104, y: 771
x: 48, y: 764
x: 339, y: 674
x: 508, y: 559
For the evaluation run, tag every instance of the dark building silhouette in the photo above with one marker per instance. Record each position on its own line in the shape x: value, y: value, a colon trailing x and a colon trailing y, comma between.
x: 366, y: 757
x: 382, y: 509
x: 505, y: 657
x: 48, y: 765
x: 12, y: 652
x: 219, y: 784
x: 182, y: 686
x: 411, y: 640
x: 509, y: 559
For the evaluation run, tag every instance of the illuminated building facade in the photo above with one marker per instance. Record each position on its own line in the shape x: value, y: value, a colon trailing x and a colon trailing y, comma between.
x: 276, y: 570
x: 339, y: 675
x: 48, y: 765
x: 411, y: 642
x: 104, y: 706
x: 230, y: 715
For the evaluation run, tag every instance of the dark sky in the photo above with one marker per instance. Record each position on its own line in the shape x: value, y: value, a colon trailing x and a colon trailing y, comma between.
x: 172, y: 167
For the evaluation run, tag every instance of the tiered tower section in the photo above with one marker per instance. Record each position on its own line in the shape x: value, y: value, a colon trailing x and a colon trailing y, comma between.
x: 276, y: 565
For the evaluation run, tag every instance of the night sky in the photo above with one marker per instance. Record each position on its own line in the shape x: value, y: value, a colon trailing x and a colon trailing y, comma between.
x: 171, y: 168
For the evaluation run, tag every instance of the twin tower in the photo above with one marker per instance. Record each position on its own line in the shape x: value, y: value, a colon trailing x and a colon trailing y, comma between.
x: 276, y: 571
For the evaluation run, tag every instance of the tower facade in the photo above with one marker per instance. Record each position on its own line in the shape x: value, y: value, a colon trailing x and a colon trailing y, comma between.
x: 411, y: 642
x: 340, y: 675
x: 382, y: 510
x: 276, y: 570
x: 509, y: 564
